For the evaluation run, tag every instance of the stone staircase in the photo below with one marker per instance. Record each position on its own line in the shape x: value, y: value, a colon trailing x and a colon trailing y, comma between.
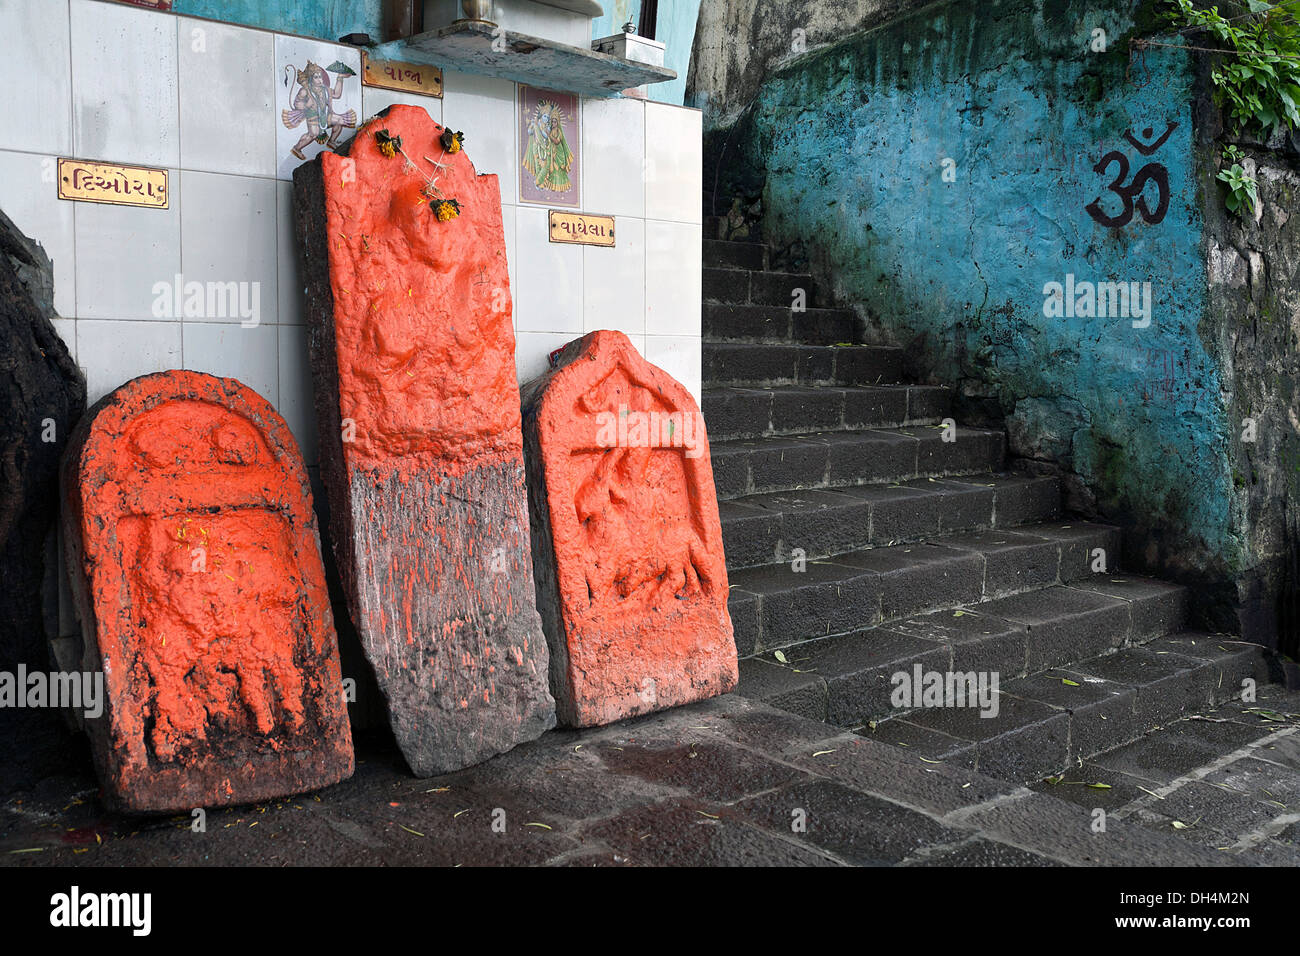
x: 864, y: 539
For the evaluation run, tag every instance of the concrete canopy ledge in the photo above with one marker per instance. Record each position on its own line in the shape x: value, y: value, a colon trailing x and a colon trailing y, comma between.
x: 590, y: 7
x: 468, y: 46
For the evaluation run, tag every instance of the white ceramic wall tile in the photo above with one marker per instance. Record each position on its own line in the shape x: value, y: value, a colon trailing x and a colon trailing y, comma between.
x: 613, y: 289
x: 673, y: 290
x: 37, y: 103
x: 125, y: 255
x: 228, y: 235
x: 292, y: 54
x: 289, y: 307
x: 231, y: 351
x: 484, y: 108
x: 29, y: 196
x: 227, y: 98
x: 112, y: 353
x: 679, y: 356
x: 613, y: 156
x: 296, y: 399
x: 532, y: 350
x: 375, y: 98
x: 67, y: 329
x: 124, y: 90
x: 674, y: 163
x: 548, y: 277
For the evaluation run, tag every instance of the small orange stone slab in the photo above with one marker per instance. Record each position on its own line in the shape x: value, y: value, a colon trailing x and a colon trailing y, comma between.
x: 627, y: 545
x: 197, y: 571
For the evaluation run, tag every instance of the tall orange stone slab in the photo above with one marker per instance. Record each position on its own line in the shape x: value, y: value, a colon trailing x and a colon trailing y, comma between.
x: 627, y: 545
x: 196, y: 568
x: 421, y: 451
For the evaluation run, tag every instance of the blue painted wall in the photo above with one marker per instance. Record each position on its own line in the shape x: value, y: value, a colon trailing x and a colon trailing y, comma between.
x: 323, y: 19
x: 675, y: 27
x: 853, y: 141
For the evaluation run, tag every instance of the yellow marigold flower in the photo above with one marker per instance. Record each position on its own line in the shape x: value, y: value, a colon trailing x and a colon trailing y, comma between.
x: 388, y: 145
x: 452, y: 141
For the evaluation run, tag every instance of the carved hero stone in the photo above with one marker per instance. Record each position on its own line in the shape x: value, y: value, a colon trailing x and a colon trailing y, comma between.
x: 196, y: 569
x: 412, y: 343
x: 627, y: 545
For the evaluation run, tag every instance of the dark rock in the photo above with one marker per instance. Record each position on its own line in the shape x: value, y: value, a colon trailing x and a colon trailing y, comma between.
x: 45, y: 394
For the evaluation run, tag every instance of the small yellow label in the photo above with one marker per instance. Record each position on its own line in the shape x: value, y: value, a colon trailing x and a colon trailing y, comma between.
x: 582, y: 228
x: 113, y: 183
x: 404, y: 77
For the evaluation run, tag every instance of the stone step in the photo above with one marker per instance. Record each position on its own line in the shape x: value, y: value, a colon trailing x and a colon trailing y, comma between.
x: 780, y: 325
x: 1224, y: 778
x: 732, y: 413
x: 846, y: 680
x: 1050, y: 722
x: 766, y: 528
x: 731, y: 363
x: 839, y: 459
x: 727, y: 254
x: 748, y: 287
x: 780, y: 605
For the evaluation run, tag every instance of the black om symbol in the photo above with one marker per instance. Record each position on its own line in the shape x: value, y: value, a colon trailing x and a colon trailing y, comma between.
x: 1132, y: 193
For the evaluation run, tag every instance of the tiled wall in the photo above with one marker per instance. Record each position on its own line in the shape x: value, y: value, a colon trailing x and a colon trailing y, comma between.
x: 107, y: 81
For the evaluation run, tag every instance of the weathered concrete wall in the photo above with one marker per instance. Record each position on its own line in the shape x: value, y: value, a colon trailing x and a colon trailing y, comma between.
x: 1253, y: 324
x: 944, y: 169
x: 738, y: 43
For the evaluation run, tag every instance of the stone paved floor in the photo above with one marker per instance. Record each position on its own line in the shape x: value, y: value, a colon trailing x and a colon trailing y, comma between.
x: 1228, y: 779
x: 727, y: 782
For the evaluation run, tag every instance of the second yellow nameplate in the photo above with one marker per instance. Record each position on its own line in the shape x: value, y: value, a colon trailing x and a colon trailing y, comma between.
x: 582, y: 228
x: 404, y: 77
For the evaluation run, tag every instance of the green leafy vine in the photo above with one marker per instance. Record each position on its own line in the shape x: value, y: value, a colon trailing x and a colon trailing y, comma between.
x: 1256, y: 77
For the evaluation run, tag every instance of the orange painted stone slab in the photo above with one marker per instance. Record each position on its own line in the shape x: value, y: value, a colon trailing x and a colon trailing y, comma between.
x: 421, y: 450
x: 196, y: 567
x: 627, y: 545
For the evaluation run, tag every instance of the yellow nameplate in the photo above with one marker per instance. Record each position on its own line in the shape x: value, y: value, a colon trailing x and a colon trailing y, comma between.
x: 582, y: 228
x: 114, y: 183
x: 404, y: 77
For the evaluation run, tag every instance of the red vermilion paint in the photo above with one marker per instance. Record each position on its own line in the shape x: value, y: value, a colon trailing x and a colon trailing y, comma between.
x: 632, y: 579
x: 196, y: 562
x: 421, y: 449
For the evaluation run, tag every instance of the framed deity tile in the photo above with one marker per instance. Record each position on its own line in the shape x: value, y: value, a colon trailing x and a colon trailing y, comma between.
x: 550, y: 164
x: 318, y: 99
